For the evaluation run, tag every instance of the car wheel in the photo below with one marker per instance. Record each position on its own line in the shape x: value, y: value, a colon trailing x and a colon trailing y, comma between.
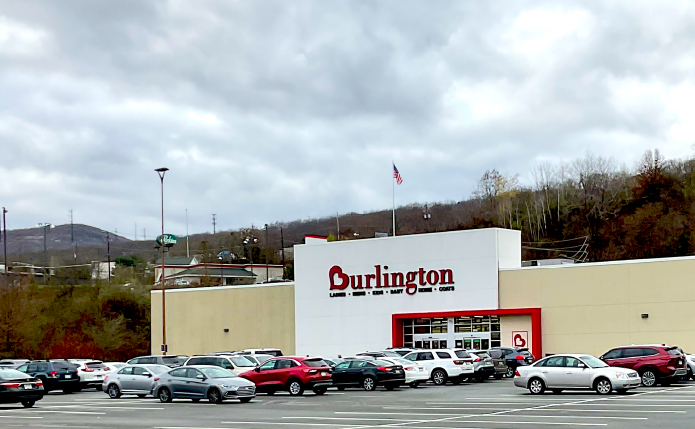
x: 690, y: 374
x: 341, y: 388
x: 621, y: 391
x: 498, y: 376
x: 390, y: 387
x: 245, y: 400
x: 510, y: 372
x: 536, y: 386
x: 603, y: 386
x: 28, y: 404
x: 295, y: 388
x: 480, y: 378
x: 369, y: 384
x: 214, y: 396
x: 557, y: 391
x: 141, y: 395
x: 320, y: 390
x: 648, y: 378
x: 113, y: 391
x: 414, y: 384
x: 164, y: 395
x: 439, y: 377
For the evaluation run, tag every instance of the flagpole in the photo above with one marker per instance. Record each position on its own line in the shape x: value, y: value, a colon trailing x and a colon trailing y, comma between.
x: 393, y: 195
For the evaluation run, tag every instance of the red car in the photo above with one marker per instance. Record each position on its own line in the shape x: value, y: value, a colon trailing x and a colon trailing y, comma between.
x: 654, y: 363
x: 291, y: 373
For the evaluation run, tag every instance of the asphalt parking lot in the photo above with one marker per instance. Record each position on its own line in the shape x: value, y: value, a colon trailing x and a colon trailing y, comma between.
x: 493, y: 404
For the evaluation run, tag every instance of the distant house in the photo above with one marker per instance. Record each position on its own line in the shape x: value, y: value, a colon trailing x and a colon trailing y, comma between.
x: 188, y: 271
x: 100, y: 270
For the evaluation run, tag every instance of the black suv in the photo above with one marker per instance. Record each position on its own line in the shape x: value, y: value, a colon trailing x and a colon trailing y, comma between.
x: 61, y: 375
x: 515, y: 357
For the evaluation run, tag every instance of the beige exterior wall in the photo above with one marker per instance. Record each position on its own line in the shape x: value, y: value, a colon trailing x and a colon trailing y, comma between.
x: 516, y: 325
x: 590, y: 308
x: 256, y: 316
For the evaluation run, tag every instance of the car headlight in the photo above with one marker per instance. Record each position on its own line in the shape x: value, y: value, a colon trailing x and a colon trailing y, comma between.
x: 226, y: 386
x: 621, y: 375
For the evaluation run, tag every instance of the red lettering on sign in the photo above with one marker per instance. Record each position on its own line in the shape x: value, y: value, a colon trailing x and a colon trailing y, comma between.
x: 380, y: 279
x: 336, y: 270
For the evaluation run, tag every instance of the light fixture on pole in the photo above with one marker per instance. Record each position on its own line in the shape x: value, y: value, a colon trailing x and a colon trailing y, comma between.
x: 161, y: 172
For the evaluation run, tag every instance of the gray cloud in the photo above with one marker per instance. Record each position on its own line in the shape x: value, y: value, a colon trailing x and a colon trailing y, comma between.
x: 270, y: 110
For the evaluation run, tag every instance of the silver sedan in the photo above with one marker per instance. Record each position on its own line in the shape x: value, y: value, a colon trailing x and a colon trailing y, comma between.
x: 132, y: 380
x: 575, y: 372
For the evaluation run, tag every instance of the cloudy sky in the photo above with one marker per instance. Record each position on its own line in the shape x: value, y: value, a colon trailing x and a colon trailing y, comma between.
x: 275, y: 110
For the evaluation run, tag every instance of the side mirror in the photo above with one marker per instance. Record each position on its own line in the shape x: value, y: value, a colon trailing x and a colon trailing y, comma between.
x: 582, y: 366
x: 257, y: 369
x: 147, y: 374
x: 200, y: 377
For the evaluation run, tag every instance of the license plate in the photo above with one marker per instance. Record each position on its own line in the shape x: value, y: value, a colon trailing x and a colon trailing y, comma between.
x: 68, y: 376
x: 323, y: 374
x: 27, y: 386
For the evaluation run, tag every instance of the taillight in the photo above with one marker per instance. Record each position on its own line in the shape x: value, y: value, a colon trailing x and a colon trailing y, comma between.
x: 477, y: 360
x: 85, y: 369
x: 519, y: 357
x: 39, y: 383
x: 53, y: 374
x: 10, y: 385
x: 517, y: 373
x: 311, y: 371
x: 458, y: 362
x: 106, y: 377
x: 156, y: 379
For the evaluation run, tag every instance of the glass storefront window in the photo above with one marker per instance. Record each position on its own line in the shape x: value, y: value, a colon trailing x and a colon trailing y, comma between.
x: 439, y: 325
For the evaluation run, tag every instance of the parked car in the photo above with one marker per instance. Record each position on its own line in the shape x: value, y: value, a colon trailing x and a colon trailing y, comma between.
x: 368, y: 374
x: 235, y: 364
x: 332, y: 362
x: 442, y: 365
x: 12, y: 363
x: 690, y: 359
x: 363, y: 357
x: 654, y: 363
x: 61, y: 375
x: 483, y: 365
x: 401, y: 350
x: 414, y: 374
x: 132, y: 380
x: 172, y: 361
x: 114, y: 366
x: 575, y: 371
x: 291, y: 373
x: 515, y: 357
x: 377, y: 355
x: 272, y: 352
x: 200, y: 382
x: 90, y: 372
x: 259, y: 359
x: 16, y: 387
x: 499, y: 362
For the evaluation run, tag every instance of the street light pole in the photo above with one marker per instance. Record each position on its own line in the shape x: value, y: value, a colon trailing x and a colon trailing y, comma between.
x: 45, y: 250
x: 161, y: 172
x: 4, y: 242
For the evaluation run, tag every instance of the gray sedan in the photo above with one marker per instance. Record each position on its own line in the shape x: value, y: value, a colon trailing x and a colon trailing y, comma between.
x: 573, y: 372
x: 132, y: 380
x: 204, y: 381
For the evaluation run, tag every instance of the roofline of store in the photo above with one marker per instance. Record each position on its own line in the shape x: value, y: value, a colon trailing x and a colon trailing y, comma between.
x: 619, y: 262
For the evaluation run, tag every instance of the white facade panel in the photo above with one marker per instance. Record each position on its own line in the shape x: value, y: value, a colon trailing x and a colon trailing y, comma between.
x: 459, y: 270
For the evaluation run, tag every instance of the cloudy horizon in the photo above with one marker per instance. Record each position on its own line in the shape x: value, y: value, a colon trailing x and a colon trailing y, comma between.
x: 272, y: 111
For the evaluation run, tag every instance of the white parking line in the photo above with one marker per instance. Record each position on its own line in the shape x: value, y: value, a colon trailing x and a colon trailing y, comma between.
x: 20, y: 417
x: 531, y: 409
x: 292, y: 424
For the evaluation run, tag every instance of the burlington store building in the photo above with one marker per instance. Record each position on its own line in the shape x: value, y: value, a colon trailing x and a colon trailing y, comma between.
x: 442, y: 290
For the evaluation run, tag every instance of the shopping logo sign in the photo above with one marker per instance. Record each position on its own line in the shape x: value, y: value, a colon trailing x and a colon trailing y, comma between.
x: 382, y: 281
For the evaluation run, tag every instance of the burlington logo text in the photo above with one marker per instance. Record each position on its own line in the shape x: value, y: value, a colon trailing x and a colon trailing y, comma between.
x: 374, y: 283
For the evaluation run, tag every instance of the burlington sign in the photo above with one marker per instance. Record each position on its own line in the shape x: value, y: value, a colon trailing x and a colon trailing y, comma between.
x: 381, y: 281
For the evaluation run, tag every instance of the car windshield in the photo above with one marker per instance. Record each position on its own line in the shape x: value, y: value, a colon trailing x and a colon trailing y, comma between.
x: 216, y: 373
x: 401, y: 361
x: 174, y: 359
x: 95, y: 365
x: 241, y: 361
x: 157, y: 369
x: 379, y: 362
x: 389, y: 353
x: 482, y: 355
x: 64, y: 365
x: 11, y: 374
x: 593, y: 362
x: 673, y: 351
x: 315, y: 362
x: 462, y: 354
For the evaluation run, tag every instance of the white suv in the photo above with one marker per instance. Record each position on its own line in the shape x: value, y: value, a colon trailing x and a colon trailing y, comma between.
x: 442, y: 365
x: 235, y: 364
x: 91, y: 372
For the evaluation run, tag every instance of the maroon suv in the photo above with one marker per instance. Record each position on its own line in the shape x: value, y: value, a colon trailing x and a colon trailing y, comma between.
x: 291, y: 373
x: 654, y: 363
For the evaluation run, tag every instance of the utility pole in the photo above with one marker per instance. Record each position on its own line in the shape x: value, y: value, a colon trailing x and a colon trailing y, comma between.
x: 188, y: 250
x: 214, y: 223
x: 72, y: 229
x: 337, y: 221
x: 135, y: 231
x: 4, y: 242
x: 144, y: 234
x: 282, y: 243
x: 45, y: 226
x: 266, y: 253
x: 108, y: 255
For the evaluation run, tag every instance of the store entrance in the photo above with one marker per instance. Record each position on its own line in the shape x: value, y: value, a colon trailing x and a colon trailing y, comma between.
x: 430, y: 342
x: 473, y: 343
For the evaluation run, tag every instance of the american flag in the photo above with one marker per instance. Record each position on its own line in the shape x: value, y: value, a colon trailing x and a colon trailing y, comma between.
x: 397, y: 175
